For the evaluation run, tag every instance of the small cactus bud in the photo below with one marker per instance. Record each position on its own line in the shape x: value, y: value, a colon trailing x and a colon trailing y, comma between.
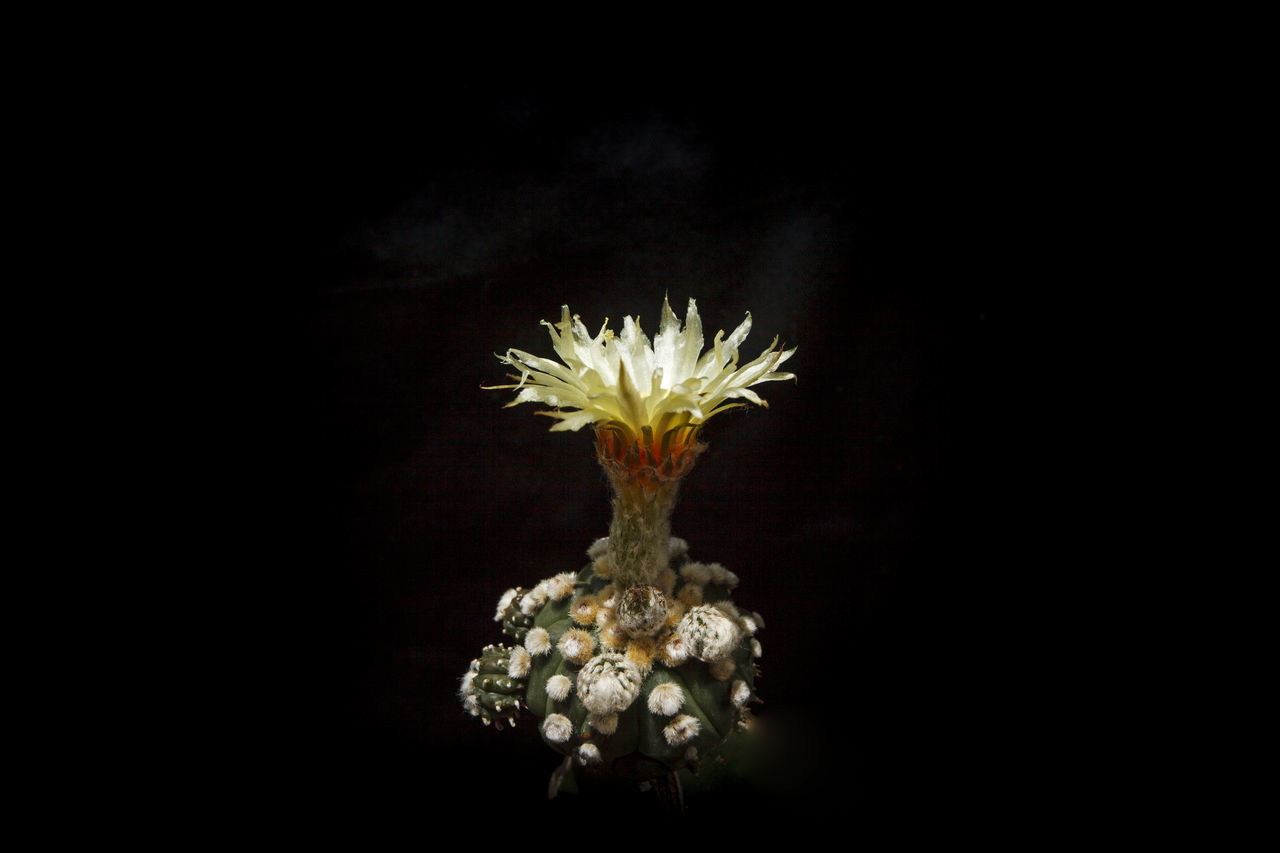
x: 642, y: 610
x: 708, y: 633
x: 608, y: 684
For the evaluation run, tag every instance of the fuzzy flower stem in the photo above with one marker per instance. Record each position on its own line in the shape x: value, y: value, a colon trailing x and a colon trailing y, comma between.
x: 645, y: 475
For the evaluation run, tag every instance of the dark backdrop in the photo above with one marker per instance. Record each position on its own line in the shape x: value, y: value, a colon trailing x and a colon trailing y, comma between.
x: 420, y: 240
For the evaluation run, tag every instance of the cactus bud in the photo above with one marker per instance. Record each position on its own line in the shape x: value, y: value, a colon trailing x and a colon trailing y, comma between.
x: 708, y: 633
x: 642, y: 610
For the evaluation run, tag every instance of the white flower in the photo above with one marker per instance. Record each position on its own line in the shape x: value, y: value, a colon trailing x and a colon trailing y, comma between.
x: 625, y: 380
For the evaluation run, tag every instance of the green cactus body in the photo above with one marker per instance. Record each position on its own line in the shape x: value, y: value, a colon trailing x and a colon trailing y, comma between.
x: 705, y: 700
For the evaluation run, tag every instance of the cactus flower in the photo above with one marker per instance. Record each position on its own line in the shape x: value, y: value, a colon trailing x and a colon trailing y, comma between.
x: 628, y: 385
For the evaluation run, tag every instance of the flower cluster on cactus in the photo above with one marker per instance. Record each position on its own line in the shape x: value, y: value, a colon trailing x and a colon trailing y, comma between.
x: 640, y: 663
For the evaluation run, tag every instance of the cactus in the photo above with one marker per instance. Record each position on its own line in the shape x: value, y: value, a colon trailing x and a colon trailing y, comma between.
x: 638, y: 665
x: 638, y: 703
x: 493, y: 686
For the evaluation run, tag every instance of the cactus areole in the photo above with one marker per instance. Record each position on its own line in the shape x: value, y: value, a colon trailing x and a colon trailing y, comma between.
x: 638, y: 664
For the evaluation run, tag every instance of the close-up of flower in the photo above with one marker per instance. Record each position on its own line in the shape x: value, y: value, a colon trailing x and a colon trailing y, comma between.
x: 626, y: 385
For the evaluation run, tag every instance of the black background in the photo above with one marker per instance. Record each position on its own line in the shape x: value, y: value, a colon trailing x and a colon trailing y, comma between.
x: 856, y: 508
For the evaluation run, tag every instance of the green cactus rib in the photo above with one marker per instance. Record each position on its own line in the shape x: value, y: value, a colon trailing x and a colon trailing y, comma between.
x: 497, y: 694
x: 515, y: 623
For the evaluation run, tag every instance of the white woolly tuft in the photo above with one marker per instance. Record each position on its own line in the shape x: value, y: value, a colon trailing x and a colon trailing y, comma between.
x: 756, y: 648
x: 682, y: 729
x: 677, y: 548
x: 759, y: 619
x: 560, y: 587
x: 598, y: 548
x: 537, y: 641
x: 518, y: 667
x: 717, y: 572
x: 503, y: 603
x: 603, y: 566
x: 748, y: 624
x: 605, y: 724
x: 470, y: 705
x: 730, y: 579
x: 588, y: 753
x: 741, y: 693
x: 533, y: 600
x: 559, y: 687
x: 666, y: 699
x: 696, y: 573
x: 675, y: 649
x: 557, y: 728
x: 722, y: 668
x: 577, y: 645
x: 468, y: 683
